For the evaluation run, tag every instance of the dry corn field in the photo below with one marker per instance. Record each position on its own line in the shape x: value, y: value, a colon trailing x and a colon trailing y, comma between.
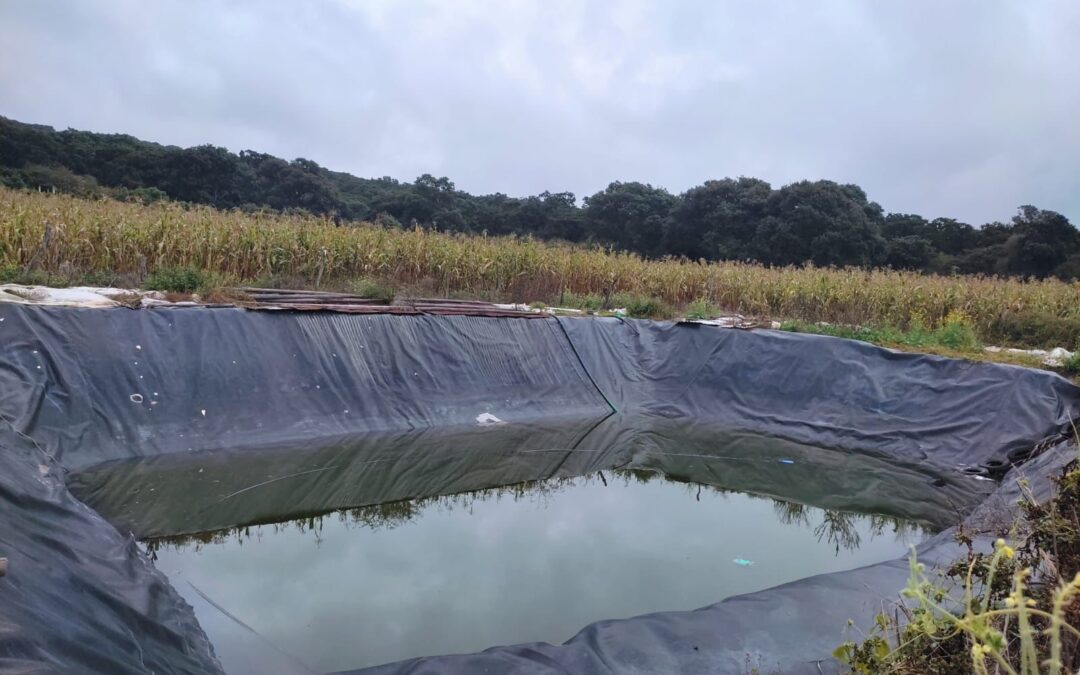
x: 127, y: 239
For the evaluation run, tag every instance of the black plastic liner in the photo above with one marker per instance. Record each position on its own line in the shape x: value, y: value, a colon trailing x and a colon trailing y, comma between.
x: 835, y: 393
x: 78, y: 597
x: 95, y: 385
x: 303, y: 413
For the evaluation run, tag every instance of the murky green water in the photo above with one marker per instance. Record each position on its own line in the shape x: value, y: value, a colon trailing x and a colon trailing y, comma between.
x: 530, y: 563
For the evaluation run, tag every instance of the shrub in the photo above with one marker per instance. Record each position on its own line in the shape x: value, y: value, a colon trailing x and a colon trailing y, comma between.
x: 1071, y: 366
x: 1016, y: 612
x: 376, y: 290
x: 957, y: 332
x: 699, y: 309
x: 643, y: 307
x: 1037, y: 328
x: 177, y: 280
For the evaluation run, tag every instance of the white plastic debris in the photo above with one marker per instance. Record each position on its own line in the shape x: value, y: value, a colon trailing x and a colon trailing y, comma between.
x: 136, y: 398
x: 42, y: 295
x: 487, y: 419
x: 1057, y: 356
x: 730, y: 321
x: 77, y: 296
x: 1054, y: 358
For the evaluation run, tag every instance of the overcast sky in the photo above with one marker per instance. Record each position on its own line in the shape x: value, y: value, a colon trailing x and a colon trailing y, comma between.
x: 963, y: 108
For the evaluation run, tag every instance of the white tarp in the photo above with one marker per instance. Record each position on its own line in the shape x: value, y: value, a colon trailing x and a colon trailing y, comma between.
x: 78, y: 296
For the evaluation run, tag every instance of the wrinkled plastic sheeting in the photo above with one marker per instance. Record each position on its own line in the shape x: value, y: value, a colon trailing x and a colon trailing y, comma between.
x: 835, y: 393
x: 77, y: 596
x: 115, y: 396
x: 96, y: 385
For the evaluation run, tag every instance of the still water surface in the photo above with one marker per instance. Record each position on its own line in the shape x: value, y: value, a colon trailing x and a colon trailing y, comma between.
x: 531, y: 563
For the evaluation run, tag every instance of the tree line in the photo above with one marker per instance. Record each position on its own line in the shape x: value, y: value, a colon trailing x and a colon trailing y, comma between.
x: 819, y: 222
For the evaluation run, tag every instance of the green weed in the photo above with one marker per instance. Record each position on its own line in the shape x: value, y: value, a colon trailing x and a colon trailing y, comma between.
x: 178, y: 280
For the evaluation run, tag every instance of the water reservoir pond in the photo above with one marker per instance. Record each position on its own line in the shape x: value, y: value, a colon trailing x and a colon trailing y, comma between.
x: 534, y: 561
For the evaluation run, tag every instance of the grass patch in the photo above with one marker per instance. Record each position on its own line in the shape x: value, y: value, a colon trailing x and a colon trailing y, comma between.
x: 588, y: 302
x: 61, y: 278
x: 642, y: 306
x: 633, y: 305
x: 955, y: 334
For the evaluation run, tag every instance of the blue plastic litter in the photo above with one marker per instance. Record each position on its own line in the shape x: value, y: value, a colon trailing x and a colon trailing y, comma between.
x: 743, y: 562
x: 786, y: 461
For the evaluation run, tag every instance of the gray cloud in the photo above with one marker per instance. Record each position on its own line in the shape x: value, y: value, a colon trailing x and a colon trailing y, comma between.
x: 964, y: 109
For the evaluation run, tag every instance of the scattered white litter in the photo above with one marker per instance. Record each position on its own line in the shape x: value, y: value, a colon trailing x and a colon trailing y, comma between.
x: 79, y: 296
x: 136, y: 398
x: 1055, y: 357
x: 731, y: 321
x: 203, y: 413
x: 487, y: 419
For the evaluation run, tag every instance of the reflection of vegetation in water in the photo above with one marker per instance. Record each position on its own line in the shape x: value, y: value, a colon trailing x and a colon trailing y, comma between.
x: 376, y: 516
x: 840, y: 528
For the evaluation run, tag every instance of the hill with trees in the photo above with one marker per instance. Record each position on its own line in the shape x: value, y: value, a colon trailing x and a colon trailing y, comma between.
x: 747, y: 219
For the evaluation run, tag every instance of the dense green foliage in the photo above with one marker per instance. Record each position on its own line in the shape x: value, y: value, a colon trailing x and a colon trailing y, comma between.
x: 819, y: 222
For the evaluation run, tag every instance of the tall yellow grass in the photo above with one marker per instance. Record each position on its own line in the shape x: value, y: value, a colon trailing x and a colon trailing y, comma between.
x: 123, y: 238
